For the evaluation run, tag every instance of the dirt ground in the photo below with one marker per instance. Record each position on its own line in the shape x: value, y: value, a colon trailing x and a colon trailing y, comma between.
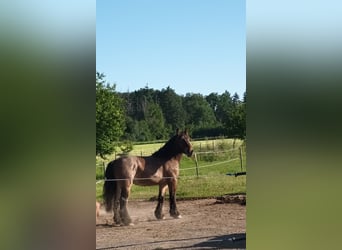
x: 205, y: 224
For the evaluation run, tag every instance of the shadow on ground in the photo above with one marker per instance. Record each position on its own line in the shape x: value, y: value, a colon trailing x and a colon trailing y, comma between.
x: 231, y: 241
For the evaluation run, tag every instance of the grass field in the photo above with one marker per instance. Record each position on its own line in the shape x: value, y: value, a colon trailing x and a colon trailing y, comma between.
x: 213, y: 165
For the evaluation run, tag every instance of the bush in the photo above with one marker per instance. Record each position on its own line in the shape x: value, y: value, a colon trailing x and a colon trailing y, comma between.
x: 126, y: 147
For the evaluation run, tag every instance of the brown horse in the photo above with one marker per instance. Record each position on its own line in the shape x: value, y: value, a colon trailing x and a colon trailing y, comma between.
x: 161, y: 168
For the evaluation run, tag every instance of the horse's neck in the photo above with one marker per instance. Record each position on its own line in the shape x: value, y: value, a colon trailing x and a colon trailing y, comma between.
x: 178, y: 157
x: 168, y: 151
x: 162, y: 155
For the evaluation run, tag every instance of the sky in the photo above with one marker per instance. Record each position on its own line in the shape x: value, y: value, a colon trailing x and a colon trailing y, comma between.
x: 192, y: 46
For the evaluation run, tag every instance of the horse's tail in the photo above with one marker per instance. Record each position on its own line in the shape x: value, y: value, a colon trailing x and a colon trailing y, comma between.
x: 109, y: 187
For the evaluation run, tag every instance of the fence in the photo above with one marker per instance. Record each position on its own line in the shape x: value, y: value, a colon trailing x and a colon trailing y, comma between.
x: 199, y: 157
x: 204, y: 175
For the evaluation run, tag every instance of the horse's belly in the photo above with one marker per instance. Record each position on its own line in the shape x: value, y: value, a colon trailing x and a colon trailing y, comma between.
x: 147, y: 182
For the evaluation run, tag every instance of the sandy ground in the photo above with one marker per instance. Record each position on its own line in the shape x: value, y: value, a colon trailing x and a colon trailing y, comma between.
x: 205, y: 224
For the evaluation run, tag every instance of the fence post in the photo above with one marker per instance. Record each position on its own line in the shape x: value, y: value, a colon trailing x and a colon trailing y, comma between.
x: 241, y: 158
x: 196, y: 162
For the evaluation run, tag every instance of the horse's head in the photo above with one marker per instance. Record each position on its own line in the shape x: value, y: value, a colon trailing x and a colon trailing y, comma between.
x: 183, y: 140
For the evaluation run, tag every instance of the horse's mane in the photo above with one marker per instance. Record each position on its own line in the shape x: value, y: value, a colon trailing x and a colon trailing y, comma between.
x: 168, y: 150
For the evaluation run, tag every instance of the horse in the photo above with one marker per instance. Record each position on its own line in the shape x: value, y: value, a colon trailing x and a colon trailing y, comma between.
x: 161, y: 168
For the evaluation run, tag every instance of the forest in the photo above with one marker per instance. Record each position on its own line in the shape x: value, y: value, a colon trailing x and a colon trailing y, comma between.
x: 148, y: 114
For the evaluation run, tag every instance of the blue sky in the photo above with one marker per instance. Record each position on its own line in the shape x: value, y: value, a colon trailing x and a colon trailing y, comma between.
x: 193, y: 46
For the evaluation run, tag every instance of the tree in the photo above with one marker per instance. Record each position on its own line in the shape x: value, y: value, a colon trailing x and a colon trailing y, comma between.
x: 231, y: 113
x: 155, y: 121
x: 213, y: 99
x: 144, y: 117
x: 154, y: 114
x: 243, y: 114
x: 173, y: 111
x: 199, y: 113
x: 110, y: 120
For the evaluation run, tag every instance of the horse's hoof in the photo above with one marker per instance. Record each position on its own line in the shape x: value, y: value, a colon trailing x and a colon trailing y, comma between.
x: 160, y: 217
x: 127, y: 223
x: 177, y: 216
x: 116, y: 224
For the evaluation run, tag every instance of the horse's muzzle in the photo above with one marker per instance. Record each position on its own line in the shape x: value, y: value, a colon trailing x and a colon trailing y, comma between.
x: 189, y: 154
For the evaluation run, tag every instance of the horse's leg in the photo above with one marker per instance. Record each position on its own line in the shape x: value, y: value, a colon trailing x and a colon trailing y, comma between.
x: 159, y: 209
x: 173, y: 206
x: 116, y: 207
x: 123, y: 203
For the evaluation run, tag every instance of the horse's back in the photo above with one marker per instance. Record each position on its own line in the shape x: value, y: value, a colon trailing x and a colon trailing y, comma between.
x: 123, y: 167
x: 146, y: 170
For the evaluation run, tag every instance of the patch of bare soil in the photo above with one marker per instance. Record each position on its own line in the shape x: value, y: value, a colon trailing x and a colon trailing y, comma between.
x: 205, y: 224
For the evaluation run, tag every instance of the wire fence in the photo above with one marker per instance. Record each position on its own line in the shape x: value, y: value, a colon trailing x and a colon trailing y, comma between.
x: 196, y: 163
x: 156, y: 177
x: 214, y: 169
x: 198, y: 178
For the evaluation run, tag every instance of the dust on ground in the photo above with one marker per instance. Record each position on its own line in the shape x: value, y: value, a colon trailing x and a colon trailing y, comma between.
x: 205, y: 224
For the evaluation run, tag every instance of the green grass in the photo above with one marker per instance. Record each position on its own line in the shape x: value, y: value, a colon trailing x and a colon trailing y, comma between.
x: 210, y: 186
x: 213, y: 167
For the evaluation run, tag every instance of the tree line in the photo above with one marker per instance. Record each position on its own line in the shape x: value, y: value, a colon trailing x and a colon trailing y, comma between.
x: 148, y: 114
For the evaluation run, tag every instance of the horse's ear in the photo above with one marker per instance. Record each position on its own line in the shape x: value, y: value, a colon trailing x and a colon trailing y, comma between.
x: 186, y: 131
x: 177, y: 131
